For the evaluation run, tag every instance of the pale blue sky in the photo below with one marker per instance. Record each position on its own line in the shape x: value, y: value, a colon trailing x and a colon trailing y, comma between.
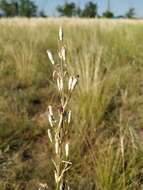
x: 119, y: 7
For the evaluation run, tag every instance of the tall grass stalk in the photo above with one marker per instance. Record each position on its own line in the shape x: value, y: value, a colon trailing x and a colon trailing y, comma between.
x: 60, y: 115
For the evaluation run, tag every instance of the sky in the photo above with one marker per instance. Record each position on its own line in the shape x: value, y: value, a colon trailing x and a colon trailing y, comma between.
x: 119, y: 7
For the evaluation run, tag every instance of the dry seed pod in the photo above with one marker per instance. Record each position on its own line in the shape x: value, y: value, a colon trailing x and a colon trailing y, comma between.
x: 50, y: 110
x: 56, y: 147
x: 74, y: 82
x: 50, y: 118
x: 61, y: 119
x: 60, y: 83
x: 65, y: 73
x: 69, y: 117
x: 55, y: 75
x: 61, y: 34
x: 61, y: 186
x: 122, y: 145
x: 50, y: 135
x: 50, y: 57
x: 60, y: 55
x: 56, y: 177
x: 67, y: 149
x: 62, y: 102
x: 63, y: 53
x: 70, y: 83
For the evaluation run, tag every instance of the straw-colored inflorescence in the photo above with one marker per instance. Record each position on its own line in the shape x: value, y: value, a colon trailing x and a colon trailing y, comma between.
x: 60, y: 118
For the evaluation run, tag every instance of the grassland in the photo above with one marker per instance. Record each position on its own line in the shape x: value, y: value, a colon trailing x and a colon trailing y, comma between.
x: 107, y: 123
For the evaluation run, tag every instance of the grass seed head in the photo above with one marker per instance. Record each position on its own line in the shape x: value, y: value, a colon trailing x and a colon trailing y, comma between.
x: 50, y: 118
x: 122, y: 145
x: 74, y: 83
x: 63, y: 53
x: 50, y: 57
x: 61, y: 120
x: 60, y: 83
x: 61, y: 34
x: 56, y: 177
x: 67, y: 149
x: 50, y: 135
x: 70, y: 83
x: 69, y: 117
x: 50, y: 110
x: 56, y: 147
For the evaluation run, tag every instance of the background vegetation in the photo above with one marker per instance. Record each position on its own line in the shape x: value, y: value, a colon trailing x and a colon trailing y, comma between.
x: 107, y: 128
x: 28, y: 8
x: 13, y: 8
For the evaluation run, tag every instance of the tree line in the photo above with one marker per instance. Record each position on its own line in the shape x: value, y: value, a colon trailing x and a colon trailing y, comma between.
x: 90, y: 10
x: 28, y: 8
x: 13, y: 8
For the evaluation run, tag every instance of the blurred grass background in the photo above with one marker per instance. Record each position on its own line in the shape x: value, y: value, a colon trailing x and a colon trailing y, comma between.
x: 107, y: 126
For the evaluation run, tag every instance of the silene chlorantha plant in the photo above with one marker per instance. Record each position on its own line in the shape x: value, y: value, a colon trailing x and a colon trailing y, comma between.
x: 59, y: 116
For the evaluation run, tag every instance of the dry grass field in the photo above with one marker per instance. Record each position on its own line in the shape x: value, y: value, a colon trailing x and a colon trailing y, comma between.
x: 107, y: 107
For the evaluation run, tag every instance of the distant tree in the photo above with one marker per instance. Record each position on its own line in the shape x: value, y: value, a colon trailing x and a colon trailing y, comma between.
x: 2, y: 14
x: 108, y: 14
x: 10, y: 8
x: 131, y: 13
x: 18, y: 7
x: 120, y: 16
x: 68, y: 9
x: 27, y: 8
x: 78, y: 12
x: 90, y: 10
x: 42, y: 14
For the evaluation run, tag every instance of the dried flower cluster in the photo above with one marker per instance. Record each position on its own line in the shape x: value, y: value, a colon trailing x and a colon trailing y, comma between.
x: 60, y: 118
